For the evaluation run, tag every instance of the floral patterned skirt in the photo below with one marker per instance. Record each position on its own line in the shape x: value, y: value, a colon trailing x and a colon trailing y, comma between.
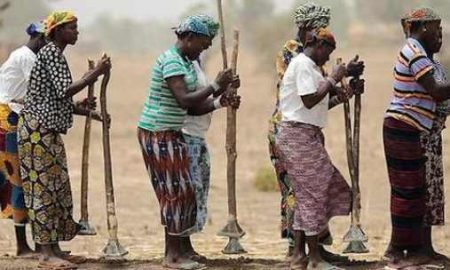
x: 46, y: 183
x: 200, y: 169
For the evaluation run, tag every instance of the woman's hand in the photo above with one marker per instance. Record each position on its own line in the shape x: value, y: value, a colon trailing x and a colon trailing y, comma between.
x: 355, y: 68
x: 224, y: 78
x: 236, y: 82
x: 234, y: 101
x: 87, y: 104
x: 357, y: 85
x: 338, y: 72
x: 103, y: 65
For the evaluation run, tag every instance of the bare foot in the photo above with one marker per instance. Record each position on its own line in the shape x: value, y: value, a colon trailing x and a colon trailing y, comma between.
x: 299, y: 262
x: 26, y: 253
x: 331, y: 257
x: 182, y: 263
x: 52, y: 262
x: 409, y: 261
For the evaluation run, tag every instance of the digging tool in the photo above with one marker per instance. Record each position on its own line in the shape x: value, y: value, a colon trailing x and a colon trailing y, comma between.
x: 113, y: 247
x: 86, y: 228
x: 232, y: 228
x: 355, y: 235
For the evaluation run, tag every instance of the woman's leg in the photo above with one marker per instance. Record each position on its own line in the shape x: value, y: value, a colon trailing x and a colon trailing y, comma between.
x: 299, y: 258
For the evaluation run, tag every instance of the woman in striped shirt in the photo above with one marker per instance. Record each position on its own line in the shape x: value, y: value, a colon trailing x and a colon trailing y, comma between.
x: 407, y: 126
x: 172, y: 95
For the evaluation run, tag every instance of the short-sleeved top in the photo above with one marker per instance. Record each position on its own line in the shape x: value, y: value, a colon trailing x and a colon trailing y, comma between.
x: 161, y: 109
x: 302, y: 77
x: 15, y: 75
x: 45, y: 100
x: 198, y: 125
x: 290, y: 50
x: 411, y: 103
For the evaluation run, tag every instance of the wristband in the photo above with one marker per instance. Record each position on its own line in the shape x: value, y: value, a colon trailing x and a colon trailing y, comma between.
x: 332, y: 81
x: 215, y: 86
x: 217, y: 104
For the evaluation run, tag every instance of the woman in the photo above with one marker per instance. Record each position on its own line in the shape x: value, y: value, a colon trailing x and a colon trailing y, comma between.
x: 308, y: 17
x: 14, y: 78
x: 46, y: 115
x: 172, y: 94
x: 194, y: 132
x: 320, y: 190
x: 412, y: 142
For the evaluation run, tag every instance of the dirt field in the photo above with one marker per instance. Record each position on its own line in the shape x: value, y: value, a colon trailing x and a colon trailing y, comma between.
x: 139, y: 228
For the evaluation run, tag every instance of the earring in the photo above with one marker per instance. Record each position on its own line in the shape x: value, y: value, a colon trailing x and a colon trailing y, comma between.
x: 424, y: 29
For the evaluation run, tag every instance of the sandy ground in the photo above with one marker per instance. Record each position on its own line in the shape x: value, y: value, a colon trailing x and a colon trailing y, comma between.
x: 137, y: 210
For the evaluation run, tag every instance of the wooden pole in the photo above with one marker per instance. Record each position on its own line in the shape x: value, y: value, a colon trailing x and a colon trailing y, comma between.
x: 355, y: 236
x: 232, y: 228
x: 113, y: 248
x: 84, y: 220
x: 231, y: 136
x: 222, y: 35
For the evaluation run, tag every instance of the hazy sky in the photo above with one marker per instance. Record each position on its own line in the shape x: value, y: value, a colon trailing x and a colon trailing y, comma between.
x: 139, y: 9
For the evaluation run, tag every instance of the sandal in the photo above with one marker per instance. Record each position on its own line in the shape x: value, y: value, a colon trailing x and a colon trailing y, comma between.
x: 55, y: 264
x: 74, y: 259
x: 185, y: 266
x: 323, y: 266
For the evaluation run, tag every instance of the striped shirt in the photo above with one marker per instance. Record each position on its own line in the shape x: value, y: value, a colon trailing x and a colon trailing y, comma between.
x: 411, y: 102
x: 161, y: 109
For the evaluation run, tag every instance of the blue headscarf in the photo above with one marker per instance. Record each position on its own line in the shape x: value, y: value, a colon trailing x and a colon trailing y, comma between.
x: 199, y: 24
x: 35, y: 28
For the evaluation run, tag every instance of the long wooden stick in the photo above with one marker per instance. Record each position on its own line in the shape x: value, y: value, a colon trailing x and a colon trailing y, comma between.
x: 231, y: 136
x: 222, y: 35
x: 85, y: 154
x: 348, y: 131
x: 356, y: 214
x: 110, y: 202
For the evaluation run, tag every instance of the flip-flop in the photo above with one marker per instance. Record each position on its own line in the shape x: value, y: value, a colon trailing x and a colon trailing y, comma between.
x: 74, y: 259
x: 324, y: 266
x: 56, y: 266
x: 431, y: 266
x: 184, y: 266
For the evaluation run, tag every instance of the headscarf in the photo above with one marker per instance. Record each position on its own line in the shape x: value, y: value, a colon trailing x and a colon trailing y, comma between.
x: 57, y: 18
x: 422, y: 14
x: 321, y: 34
x: 311, y: 15
x: 199, y: 24
x: 35, y: 28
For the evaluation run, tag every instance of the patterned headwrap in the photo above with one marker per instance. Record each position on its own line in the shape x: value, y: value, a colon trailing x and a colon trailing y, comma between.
x: 423, y: 14
x: 321, y: 34
x: 57, y: 18
x: 311, y: 15
x: 36, y: 28
x: 199, y: 24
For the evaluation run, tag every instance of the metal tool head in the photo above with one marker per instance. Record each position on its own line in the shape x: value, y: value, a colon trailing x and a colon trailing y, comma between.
x: 232, y: 229
x: 356, y: 247
x: 355, y: 233
x: 113, y: 249
x: 86, y: 228
x: 233, y: 247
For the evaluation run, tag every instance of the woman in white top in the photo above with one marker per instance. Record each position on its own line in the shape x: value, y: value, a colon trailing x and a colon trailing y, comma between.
x: 14, y: 77
x: 321, y: 192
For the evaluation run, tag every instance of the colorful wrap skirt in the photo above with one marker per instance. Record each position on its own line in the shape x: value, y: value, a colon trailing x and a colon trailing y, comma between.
x: 12, y: 193
x: 405, y: 158
x: 321, y: 192
x: 46, y: 183
x: 166, y: 159
x: 200, y: 169
x: 287, y: 204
